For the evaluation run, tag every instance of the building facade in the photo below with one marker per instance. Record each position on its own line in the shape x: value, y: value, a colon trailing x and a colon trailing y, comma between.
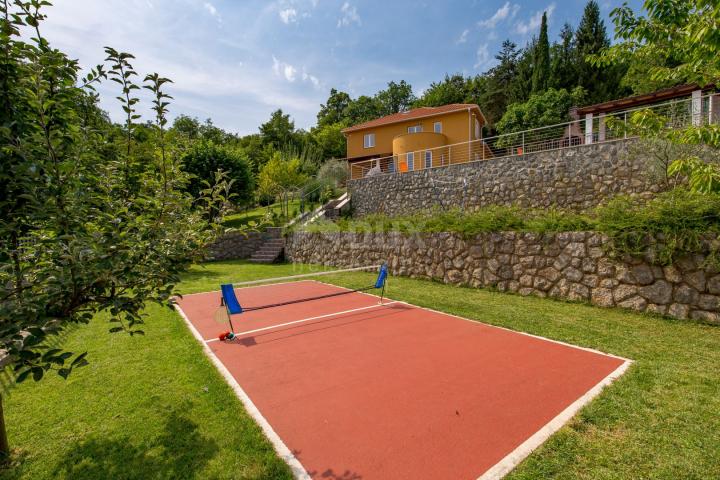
x: 421, y: 138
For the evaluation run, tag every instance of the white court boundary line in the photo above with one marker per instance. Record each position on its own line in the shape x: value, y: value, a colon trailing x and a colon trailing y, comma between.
x: 271, y: 327
x: 497, y: 471
x: 522, y: 451
x: 281, y: 449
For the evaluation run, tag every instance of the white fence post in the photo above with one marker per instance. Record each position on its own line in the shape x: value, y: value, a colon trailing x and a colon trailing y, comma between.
x: 697, y: 108
x: 588, y: 128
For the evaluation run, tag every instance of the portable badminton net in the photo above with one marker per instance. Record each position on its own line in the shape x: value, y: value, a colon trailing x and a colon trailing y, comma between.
x: 233, y: 307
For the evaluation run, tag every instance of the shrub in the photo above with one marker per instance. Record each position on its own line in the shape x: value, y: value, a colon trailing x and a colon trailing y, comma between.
x: 672, y: 224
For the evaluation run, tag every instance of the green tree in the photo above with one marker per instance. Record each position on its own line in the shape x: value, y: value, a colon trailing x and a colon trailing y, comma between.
x: 679, y: 42
x: 85, y: 228
x: 452, y: 89
x: 563, y: 72
x: 493, y: 89
x: 687, y: 35
x: 397, y: 97
x: 279, y: 177
x: 543, y: 109
x: 330, y: 140
x: 333, y: 111
x: 258, y: 153
x: 590, y: 39
x: 279, y: 131
x: 541, y: 59
x: 520, y: 86
x: 205, y: 158
x: 362, y: 109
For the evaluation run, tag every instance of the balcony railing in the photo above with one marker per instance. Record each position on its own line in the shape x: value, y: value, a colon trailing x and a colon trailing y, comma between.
x: 590, y: 130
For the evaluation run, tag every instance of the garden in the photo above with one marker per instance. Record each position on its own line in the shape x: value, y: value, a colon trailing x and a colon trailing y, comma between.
x: 105, y: 222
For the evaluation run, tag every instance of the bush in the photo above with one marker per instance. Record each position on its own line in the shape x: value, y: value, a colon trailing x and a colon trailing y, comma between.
x: 672, y: 224
x: 333, y: 172
x: 205, y: 158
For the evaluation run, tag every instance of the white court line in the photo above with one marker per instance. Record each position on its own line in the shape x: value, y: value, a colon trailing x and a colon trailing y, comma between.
x: 282, y: 450
x: 522, y: 451
x: 305, y: 320
x: 500, y: 469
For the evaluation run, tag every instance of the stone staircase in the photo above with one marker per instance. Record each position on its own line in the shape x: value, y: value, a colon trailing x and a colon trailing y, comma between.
x: 272, y: 249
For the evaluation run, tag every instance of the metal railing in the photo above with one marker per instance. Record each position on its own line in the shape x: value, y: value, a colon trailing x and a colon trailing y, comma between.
x: 584, y: 131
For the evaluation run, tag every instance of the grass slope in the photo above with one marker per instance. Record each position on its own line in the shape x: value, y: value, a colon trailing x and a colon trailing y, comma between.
x: 257, y: 214
x: 153, y: 407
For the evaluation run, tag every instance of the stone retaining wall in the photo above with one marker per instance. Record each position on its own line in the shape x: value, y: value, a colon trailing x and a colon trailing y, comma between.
x: 572, y: 178
x: 240, y: 245
x: 571, y: 265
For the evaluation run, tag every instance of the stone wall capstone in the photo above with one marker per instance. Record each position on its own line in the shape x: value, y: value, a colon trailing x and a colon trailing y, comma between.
x: 573, y: 178
x: 567, y: 265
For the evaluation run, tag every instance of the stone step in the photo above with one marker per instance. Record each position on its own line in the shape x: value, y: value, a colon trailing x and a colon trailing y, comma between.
x: 275, y: 243
x: 272, y: 257
x: 268, y: 251
x: 263, y: 260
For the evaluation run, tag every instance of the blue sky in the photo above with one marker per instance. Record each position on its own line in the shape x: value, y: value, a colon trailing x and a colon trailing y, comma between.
x: 237, y: 61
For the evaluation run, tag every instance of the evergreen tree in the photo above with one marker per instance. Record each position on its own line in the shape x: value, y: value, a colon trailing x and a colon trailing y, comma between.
x: 521, y: 84
x: 590, y: 38
x: 493, y: 92
x: 563, y: 72
x: 541, y: 60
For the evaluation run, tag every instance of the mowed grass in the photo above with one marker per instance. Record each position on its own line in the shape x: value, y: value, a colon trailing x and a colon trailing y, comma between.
x: 153, y: 407
x: 259, y: 214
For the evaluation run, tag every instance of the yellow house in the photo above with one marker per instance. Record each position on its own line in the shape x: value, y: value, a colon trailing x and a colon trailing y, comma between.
x: 421, y: 138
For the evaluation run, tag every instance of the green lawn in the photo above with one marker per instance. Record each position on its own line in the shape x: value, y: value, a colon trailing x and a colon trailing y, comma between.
x: 153, y: 407
x: 257, y: 214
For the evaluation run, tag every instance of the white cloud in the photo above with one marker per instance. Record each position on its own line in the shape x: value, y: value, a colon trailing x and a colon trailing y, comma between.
x: 463, y: 36
x: 290, y: 72
x: 483, y: 56
x: 502, y: 13
x: 533, y: 23
x: 212, y: 10
x: 284, y: 69
x: 349, y: 16
x: 310, y: 78
x: 288, y: 15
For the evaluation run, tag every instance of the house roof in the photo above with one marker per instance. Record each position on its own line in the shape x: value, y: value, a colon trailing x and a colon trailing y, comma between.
x: 415, y: 113
x: 642, y: 99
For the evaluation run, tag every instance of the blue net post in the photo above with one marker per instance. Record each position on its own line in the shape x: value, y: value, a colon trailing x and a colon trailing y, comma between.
x: 382, y: 277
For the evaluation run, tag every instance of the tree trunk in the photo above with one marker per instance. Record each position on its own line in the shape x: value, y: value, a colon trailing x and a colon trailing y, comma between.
x: 4, y: 447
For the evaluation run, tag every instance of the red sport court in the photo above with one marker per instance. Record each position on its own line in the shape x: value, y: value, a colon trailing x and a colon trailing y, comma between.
x: 347, y: 388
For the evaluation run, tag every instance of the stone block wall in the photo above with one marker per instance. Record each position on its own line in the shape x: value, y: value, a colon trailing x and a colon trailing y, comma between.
x: 573, y: 178
x: 570, y: 265
x: 240, y: 245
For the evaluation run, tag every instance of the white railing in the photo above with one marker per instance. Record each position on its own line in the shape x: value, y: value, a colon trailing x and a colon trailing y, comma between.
x: 584, y: 131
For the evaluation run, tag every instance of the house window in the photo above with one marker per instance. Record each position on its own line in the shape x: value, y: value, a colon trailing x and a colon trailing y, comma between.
x: 477, y: 128
x: 437, y: 127
x: 415, y: 129
x: 410, y: 158
x: 428, y: 159
x: 369, y: 140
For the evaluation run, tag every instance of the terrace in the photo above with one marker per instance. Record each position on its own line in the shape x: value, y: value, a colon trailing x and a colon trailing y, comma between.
x: 594, y: 127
